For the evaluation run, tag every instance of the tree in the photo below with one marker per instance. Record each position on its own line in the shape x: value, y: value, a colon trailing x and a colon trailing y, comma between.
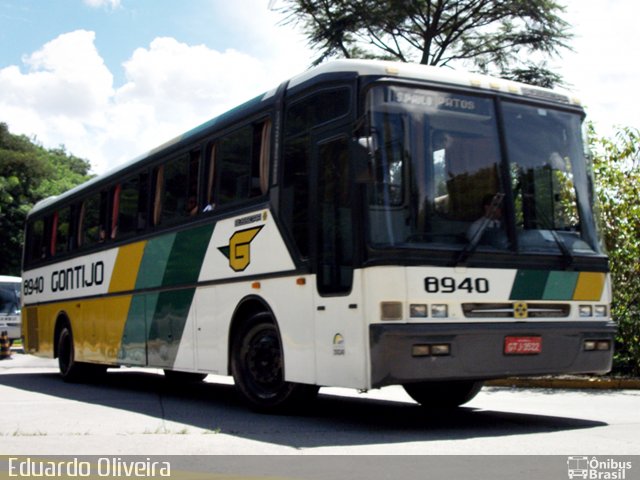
x: 29, y: 173
x: 617, y: 174
x: 498, y: 37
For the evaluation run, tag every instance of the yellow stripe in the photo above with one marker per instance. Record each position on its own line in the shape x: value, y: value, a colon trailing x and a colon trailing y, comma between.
x: 114, y: 323
x: 126, y: 268
x: 97, y: 327
x: 99, y: 336
x: 589, y: 286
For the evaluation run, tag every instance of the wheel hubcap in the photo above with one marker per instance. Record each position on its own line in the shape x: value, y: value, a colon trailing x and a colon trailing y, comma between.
x: 264, y: 359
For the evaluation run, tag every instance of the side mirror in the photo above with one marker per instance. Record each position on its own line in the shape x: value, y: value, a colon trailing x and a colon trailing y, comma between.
x: 369, y: 143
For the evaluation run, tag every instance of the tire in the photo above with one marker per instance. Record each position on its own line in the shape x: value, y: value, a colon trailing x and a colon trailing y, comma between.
x: 257, y: 366
x: 175, y: 376
x: 70, y: 370
x: 443, y: 394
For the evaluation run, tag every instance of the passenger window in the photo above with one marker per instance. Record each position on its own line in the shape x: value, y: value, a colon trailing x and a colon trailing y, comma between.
x: 130, y: 206
x: 61, y: 230
x: 234, y: 159
x: 93, y: 220
x: 192, y: 187
x: 174, y: 199
x: 176, y: 189
x: 209, y: 206
x: 89, y: 227
x: 37, y: 241
x: 243, y: 163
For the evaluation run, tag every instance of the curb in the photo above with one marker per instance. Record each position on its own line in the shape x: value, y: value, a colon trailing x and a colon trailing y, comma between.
x: 591, y: 383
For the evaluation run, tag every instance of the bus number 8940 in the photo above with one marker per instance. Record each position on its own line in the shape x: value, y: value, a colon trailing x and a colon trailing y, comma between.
x: 451, y: 285
x: 33, y: 285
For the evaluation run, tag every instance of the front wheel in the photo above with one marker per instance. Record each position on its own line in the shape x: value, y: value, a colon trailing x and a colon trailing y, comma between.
x: 443, y: 394
x: 257, y: 366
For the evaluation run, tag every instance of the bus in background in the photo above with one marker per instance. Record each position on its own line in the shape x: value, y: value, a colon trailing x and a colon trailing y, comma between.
x: 10, y: 321
x: 363, y: 224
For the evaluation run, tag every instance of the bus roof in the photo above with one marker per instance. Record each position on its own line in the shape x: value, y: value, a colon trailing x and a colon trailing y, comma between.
x: 373, y: 68
x: 434, y: 74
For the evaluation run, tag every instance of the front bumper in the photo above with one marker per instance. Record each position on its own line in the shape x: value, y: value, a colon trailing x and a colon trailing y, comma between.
x: 477, y: 350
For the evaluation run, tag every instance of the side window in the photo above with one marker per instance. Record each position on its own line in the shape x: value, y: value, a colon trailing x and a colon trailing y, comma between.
x: 242, y: 163
x: 37, y: 242
x: 192, y: 186
x: 174, y: 198
x: 317, y: 109
x: 211, y: 170
x: 130, y: 206
x: 302, y: 116
x: 234, y: 162
x: 91, y: 228
x: 176, y: 189
x: 61, y: 231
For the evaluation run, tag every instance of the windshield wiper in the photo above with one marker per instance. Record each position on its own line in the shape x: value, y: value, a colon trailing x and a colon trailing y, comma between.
x: 487, y: 219
x: 548, y: 225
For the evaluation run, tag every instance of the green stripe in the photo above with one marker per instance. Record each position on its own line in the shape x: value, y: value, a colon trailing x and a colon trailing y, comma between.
x: 154, y: 261
x: 529, y: 285
x: 167, y: 326
x: 134, y: 337
x: 560, y: 286
x: 156, y: 320
x: 185, y: 261
x: 544, y: 285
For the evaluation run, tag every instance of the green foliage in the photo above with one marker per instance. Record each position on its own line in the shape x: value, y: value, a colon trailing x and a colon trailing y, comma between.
x: 499, y: 37
x: 29, y: 173
x: 617, y: 173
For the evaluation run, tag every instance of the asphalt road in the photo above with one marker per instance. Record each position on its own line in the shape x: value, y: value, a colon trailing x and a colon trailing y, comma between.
x: 135, y: 412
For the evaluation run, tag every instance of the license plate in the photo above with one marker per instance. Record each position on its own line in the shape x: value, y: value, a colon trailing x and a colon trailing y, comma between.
x: 522, y: 345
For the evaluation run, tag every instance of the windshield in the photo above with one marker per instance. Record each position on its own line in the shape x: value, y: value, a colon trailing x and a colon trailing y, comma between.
x: 440, y: 177
x: 549, y: 179
x: 9, y: 298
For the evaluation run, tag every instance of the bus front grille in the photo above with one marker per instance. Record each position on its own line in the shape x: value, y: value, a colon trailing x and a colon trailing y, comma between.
x: 515, y: 310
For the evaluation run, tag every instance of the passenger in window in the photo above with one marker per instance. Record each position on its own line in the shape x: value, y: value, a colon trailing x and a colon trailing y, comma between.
x: 192, y: 206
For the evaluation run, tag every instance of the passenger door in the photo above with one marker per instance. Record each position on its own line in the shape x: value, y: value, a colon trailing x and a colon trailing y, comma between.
x: 339, y: 324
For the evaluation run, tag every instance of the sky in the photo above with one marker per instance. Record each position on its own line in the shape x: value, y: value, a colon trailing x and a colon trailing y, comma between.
x: 112, y: 79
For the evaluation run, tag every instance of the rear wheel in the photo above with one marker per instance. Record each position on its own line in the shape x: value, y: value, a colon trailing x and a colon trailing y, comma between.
x: 443, y: 394
x: 257, y: 365
x: 70, y: 369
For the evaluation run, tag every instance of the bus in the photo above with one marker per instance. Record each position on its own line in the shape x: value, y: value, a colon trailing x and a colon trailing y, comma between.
x: 10, y: 321
x: 363, y: 224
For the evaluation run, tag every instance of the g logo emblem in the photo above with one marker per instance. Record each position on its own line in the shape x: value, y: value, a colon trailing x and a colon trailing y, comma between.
x: 239, y: 249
